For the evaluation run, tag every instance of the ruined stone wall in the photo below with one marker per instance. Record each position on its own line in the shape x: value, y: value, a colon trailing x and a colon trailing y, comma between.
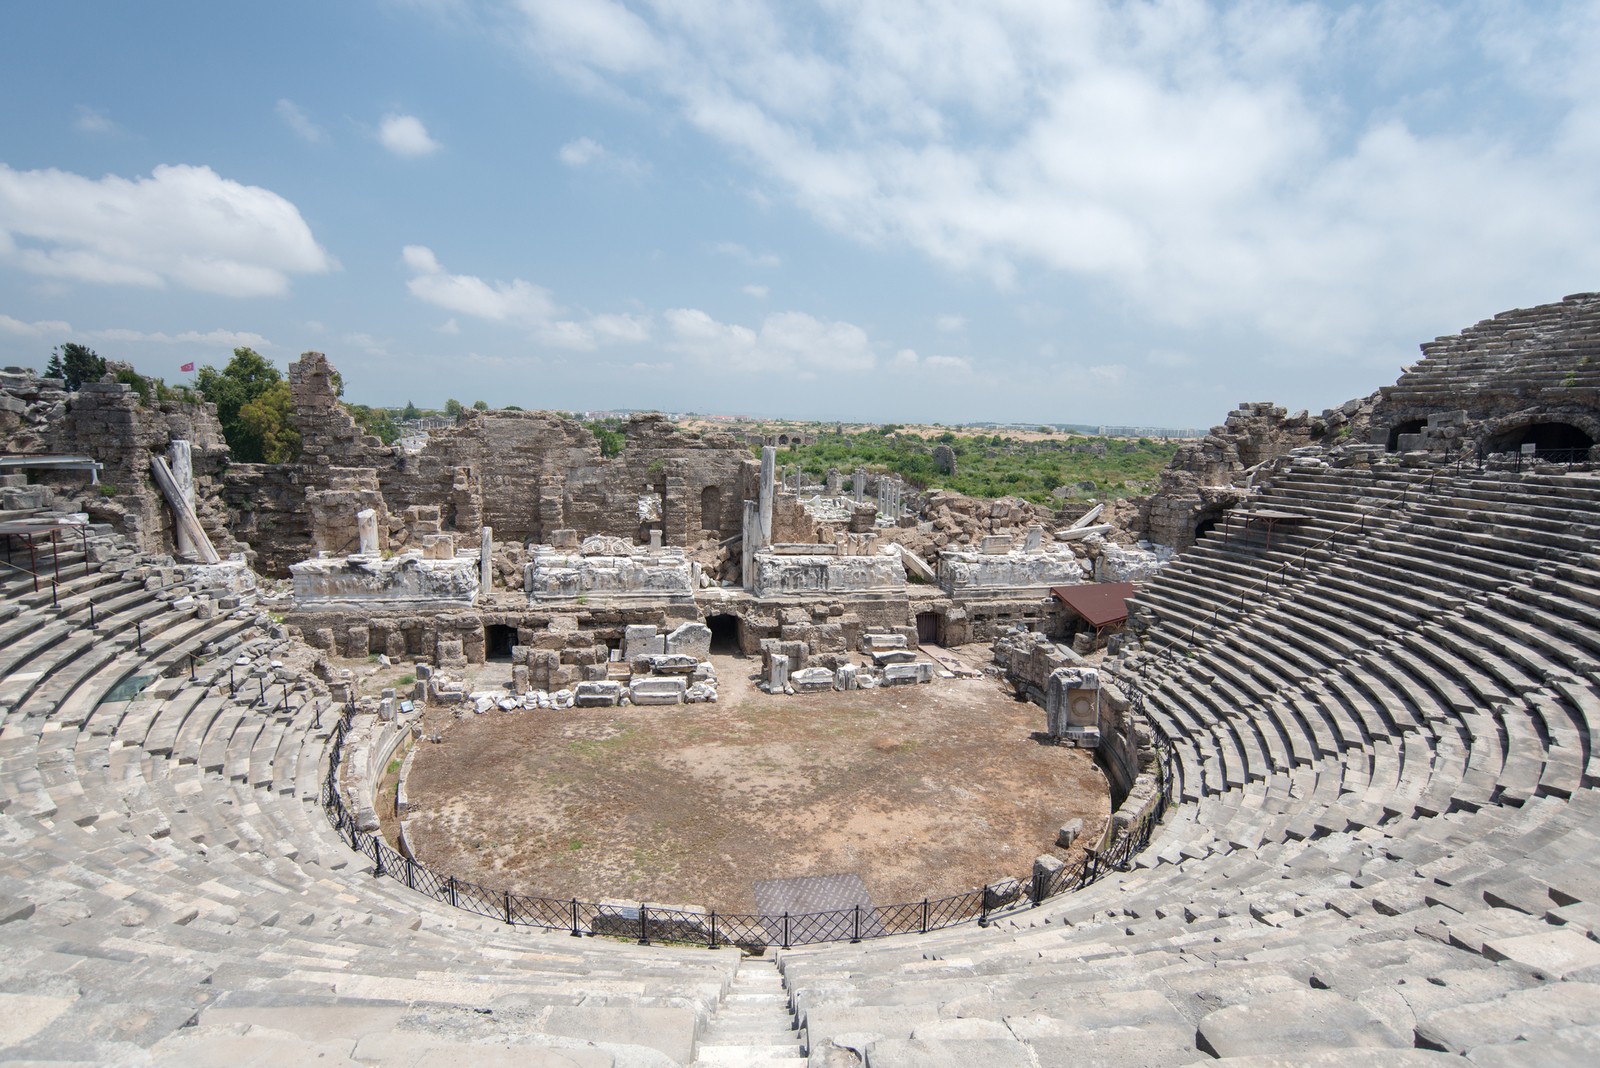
x: 1518, y: 369
x: 1206, y: 478
x: 110, y: 423
x: 525, y: 474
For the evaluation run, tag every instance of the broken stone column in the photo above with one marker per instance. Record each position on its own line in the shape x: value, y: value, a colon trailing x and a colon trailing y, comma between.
x: 1035, y: 539
x: 486, y: 561
x: 769, y: 463
x: 858, y: 483
x: 367, y: 531
x: 752, y: 537
x: 179, y: 455
x: 655, y: 539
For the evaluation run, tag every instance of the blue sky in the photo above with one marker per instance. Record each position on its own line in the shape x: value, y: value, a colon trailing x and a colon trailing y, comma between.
x: 1030, y: 211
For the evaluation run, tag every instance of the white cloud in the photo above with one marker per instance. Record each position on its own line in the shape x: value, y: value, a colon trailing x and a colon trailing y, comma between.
x: 743, y: 255
x: 588, y: 153
x: 758, y: 292
x: 1323, y: 177
x: 372, y: 346
x: 908, y: 360
x: 517, y: 303
x: 37, y: 328
x: 405, y: 135
x: 450, y: 326
x: 92, y: 121
x: 787, y: 342
x: 183, y: 225
x: 949, y: 324
x: 298, y: 121
x: 230, y: 339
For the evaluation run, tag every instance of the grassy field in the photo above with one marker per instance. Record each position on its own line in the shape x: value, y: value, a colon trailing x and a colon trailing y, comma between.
x: 994, y: 465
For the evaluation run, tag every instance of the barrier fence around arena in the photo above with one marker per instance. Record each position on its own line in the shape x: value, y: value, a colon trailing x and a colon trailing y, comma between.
x: 649, y: 923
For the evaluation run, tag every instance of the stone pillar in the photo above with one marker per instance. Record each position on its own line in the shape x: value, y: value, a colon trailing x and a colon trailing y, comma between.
x: 769, y: 463
x: 752, y: 535
x: 486, y: 562
x: 1035, y: 539
x: 179, y: 455
x: 655, y: 538
x: 858, y: 482
x: 367, y: 531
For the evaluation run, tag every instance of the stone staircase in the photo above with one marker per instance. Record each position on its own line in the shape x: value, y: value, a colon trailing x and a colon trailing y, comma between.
x: 1385, y: 849
x: 753, y: 1027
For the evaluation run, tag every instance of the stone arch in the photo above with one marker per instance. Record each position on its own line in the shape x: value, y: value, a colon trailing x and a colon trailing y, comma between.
x: 1545, y: 435
x: 711, y: 509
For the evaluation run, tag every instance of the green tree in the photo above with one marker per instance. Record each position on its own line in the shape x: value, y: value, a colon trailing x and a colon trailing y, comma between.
x: 480, y: 406
x: 410, y: 413
x: 76, y: 364
x: 452, y: 408
x: 247, y: 377
x: 268, y: 425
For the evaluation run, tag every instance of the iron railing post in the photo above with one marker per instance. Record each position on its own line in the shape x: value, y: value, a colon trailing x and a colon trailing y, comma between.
x: 508, y: 908
x: 786, y: 930
x: 644, y: 924
x: 450, y: 890
x: 855, y: 933
x: 575, y: 932
x: 713, y: 943
x: 138, y: 634
x: 924, y: 915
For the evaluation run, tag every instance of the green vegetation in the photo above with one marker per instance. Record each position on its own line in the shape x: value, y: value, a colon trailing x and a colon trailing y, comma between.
x: 379, y: 422
x: 108, y: 489
x: 993, y: 465
x: 608, y: 432
x: 76, y: 364
x: 253, y: 407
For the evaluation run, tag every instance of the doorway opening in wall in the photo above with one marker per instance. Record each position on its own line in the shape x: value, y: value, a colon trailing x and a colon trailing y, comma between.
x: 724, y: 634
x: 1410, y: 426
x: 1206, y: 525
x: 1546, y: 438
x: 930, y: 628
x: 498, y: 640
x: 711, y: 509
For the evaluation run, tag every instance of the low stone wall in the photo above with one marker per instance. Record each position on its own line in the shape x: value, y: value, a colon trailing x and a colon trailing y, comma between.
x: 1030, y: 661
x: 341, y: 583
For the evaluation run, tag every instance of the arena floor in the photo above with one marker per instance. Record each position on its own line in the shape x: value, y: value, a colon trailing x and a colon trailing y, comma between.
x: 919, y: 791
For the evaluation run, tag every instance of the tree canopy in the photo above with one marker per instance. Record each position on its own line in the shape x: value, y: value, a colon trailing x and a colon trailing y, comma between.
x: 253, y: 407
x: 76, y: 364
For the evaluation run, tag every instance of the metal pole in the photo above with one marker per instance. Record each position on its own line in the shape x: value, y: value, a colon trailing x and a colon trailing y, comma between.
x: 713, y: 943
x: 508, y: 908
x: 232, y: 687
x: 575, y: 932
x: 191, y: 667
x: 138, y: 634
x: 54, y: 592
x: 856, y: 935
x: 644, y: 922
x: 785, y: 930
x: 91, y: 616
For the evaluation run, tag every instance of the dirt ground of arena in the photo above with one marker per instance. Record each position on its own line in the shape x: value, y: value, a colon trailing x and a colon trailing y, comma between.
x: 920, y: 790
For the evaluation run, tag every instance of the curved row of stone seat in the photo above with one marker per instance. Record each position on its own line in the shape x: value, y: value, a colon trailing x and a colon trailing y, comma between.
x: 1385, y: 837
x: 167, y: 863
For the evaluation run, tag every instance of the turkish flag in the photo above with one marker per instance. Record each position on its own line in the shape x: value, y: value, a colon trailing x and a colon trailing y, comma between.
x: 187, y: 367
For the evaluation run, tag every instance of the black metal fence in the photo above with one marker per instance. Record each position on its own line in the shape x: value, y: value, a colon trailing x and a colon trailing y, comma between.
x: 648, y: 924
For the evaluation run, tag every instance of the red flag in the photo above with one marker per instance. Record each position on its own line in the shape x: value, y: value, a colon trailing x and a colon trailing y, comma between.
x: 187, y: 367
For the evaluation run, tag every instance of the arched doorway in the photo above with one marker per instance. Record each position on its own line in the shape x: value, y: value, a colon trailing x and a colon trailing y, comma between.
x: 1206, y: 524
x: 711, y: 509
x: 1545, y: 438
x: 1409, y: 426
x: 724, y: 634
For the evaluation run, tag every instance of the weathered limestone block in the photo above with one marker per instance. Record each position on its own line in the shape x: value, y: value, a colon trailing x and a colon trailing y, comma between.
x: 666, y: 574
x: 845, y: 677
x: 357, y: 642
x: 967, y: 574
x: 907, y: 674
x: 690, y: 639
x: 812, y: 680
x: 1069, y: 833
x: 597, y: 694
x: 672, y: 664
x: 775, y: 674
x: 641, y: 640
x: 777, y: 574
x: 658, y: 691
x: 408, y: 580
x: 1072, y: 705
